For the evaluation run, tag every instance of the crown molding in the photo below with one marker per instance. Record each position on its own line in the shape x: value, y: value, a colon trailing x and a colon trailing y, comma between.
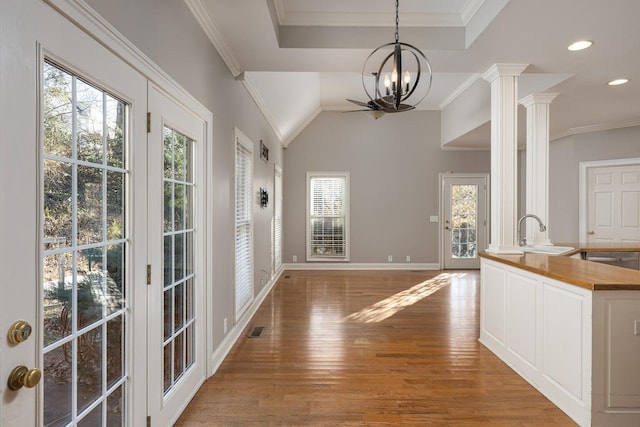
x: 199, y: 11
x: 262, y: 106
x: 300, y: 128
x: 459, y: 90
x: 596, y: 128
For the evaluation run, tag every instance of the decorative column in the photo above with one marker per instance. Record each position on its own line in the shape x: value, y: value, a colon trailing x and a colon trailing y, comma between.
x: 537, y: 180
x: 504, y: 162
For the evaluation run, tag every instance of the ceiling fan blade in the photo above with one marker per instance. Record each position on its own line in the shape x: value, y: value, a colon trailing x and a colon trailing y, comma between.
x: 360, y: 103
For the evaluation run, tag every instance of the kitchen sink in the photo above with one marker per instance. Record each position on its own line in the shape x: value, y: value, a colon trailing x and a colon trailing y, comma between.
x: 547, y: 249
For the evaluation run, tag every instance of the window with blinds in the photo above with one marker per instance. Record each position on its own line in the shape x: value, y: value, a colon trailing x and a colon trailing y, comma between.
x: 327, y: 219
x: 244, y: 223
x: 277, y: 219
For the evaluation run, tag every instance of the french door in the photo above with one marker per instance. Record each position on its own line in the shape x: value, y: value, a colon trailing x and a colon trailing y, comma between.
x: 88, y: 200
x: 464, y: 226
x: 176, y: 338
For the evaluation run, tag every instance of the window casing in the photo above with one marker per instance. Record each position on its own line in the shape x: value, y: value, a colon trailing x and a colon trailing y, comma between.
x: 327, y: 216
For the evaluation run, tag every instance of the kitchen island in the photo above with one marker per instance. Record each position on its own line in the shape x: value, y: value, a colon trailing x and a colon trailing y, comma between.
x: 570, y: 327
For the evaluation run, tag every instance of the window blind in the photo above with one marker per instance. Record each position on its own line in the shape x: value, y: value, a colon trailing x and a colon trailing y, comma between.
x: 327, y: 222
x: 244, y: 228
x: 277, y: 220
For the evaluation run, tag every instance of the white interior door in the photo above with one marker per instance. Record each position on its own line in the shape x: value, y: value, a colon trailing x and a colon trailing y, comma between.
x: 68, y: 168
x: 613, y: 203
x: 464, y: 226
x: 176, y: 339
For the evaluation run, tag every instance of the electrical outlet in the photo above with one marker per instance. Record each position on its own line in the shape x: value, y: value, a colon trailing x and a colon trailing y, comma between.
x: 408, y: 258
x: 295, y: 258
x: 224, y: 325
x: 390, y: 258
x: 433, y: 218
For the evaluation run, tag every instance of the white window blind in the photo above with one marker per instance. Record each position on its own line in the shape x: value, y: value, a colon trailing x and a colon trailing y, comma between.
x: 277, y: 219
x: 327, y: 222
x: 244, y: 225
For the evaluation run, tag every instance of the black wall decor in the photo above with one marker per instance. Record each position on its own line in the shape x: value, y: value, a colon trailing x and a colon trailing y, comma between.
x: 264, y: 198
x: 264, y: 152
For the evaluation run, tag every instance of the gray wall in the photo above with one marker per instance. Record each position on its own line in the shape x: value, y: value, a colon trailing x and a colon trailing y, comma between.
x: 394, y: 164
x: 167, y: 32
x: 565, y: 155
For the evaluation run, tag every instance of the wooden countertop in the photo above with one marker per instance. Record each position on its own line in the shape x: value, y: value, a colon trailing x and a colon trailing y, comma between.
x: 602, y: 247
x: 586, y: 274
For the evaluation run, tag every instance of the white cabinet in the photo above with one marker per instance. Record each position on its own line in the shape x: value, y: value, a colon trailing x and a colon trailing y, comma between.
x: 580, y: 348
x: 542, y: 329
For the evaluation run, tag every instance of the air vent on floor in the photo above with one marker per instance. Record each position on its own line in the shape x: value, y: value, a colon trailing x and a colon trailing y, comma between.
x: 287, y: 277
x: 256, y: 332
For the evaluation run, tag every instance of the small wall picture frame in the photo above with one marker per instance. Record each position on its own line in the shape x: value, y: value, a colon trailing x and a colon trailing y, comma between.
x: 264, y: 152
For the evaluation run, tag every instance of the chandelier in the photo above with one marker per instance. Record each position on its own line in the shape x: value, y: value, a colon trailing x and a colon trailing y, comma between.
x: 399, y: 81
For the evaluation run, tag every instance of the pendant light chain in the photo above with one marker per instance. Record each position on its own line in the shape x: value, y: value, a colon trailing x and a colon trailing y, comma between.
x: 397, y: 21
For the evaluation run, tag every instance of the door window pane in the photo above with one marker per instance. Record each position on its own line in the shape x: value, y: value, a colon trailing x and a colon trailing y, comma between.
x: 178, y: 254
x: 464, y: 205
x: 85, y: 241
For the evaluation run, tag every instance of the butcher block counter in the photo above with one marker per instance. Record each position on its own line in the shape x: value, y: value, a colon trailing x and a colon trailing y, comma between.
x: 586, y: 274
x: 568, y: 326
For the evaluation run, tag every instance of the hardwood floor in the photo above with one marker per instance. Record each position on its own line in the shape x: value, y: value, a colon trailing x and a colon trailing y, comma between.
x: 374, y: 348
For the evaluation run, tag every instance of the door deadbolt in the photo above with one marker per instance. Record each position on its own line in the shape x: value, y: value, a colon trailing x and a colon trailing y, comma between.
x: 19, y: 331
x: 21, y: 376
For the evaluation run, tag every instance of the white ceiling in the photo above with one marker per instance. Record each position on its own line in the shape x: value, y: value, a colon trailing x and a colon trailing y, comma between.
x: 299, y: 57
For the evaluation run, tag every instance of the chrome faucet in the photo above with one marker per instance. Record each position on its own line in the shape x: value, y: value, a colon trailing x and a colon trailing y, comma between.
x: 522, y: 240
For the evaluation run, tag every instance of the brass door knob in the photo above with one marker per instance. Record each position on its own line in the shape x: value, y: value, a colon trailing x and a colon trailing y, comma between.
x: 592, y: 232
x: 447, y: 228
x: 21, y: 376
x: 19, y: 331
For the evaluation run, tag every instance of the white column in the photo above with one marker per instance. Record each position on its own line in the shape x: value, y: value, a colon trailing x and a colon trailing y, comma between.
x: 504, y: 150
x: 537, y: 180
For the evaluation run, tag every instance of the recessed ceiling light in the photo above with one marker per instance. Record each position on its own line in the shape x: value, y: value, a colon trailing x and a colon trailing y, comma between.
x: 617, y: 82
x: 579, y: 45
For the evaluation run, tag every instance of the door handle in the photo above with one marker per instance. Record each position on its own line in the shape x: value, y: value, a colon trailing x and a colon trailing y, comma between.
x: 21, y: 376
x: 591, y: 232
x: 447, y: 227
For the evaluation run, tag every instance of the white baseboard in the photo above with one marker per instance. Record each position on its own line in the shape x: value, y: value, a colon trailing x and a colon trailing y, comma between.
x: 236, y: 331
x: 360, y: 266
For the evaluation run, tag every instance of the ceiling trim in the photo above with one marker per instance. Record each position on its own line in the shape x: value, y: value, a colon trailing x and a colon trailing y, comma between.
x: 262, y: 106
x: 304, y: 124
x: 469, y: 11
x: 596, y: 128
x: 363, y: 18
x: 460, y: 90
x: 215, y: 36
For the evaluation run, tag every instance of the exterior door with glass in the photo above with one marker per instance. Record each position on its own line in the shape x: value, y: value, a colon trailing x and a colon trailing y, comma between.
x: 68, y: 172
x: 464, y: 226
x: 176, y: 322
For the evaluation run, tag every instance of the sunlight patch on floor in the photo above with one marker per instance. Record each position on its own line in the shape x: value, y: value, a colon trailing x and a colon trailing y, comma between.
x: 389, y: 306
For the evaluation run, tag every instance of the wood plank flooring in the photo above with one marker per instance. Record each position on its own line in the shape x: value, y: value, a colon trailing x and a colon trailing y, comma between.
x: 374, y: 348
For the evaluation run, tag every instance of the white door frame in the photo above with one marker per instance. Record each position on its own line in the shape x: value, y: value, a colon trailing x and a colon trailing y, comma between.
x: 441, y: 233
x: 22, y: 227
x: 583, y: 188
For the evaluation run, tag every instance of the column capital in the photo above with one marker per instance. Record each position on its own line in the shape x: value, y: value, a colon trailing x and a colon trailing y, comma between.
x: 503, y: 70
x: 538, y: 98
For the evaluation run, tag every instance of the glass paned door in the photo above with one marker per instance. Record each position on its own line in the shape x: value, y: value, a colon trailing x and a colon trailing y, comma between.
x: 85, y: 309
x: 464, y: 234
x: 176, y: 318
